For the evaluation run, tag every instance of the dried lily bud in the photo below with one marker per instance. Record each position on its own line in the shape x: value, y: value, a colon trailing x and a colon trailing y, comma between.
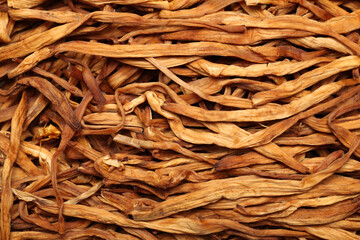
x: 181, y: 119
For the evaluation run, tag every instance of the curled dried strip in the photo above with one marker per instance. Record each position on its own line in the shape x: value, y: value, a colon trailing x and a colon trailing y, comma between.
x: 313, y: 139
x: 38, y: 41
x: 224, y: 100
x: 251, y: 36
x: 33, y: 234
x: 262, y: 54
x: 123, y: 174
x: 322, y: 215
x: 24, y: 3
x: 4, y: 20
x: 344, y: 135
x: 199, y: 11
x: 6, y: 194
x: 160, y: 145
x: 57, y: 98
x: 292, y: 87
x: 22, y: 159
x: 89, y: 80
x: 143, y: 3
x: 31, y: 61
x: 120, y: 18
x: 265, y: 113
x: 326, y: 232
x: 294, y: 206
x: 320, y: 43
x: 71, y: 88
x: 256, y: 70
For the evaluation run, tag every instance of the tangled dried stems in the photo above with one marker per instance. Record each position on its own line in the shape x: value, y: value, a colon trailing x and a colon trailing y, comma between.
x: 181, y: 119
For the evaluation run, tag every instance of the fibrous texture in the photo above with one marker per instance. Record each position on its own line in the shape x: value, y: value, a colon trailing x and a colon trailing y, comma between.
x: 182, y: 119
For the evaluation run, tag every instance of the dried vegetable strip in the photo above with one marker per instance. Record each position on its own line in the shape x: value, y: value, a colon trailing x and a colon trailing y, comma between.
x: 183, y: 119
x: 6, y: 194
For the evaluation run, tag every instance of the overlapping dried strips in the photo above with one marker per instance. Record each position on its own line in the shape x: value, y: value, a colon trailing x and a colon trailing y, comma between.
x: 181, y: 119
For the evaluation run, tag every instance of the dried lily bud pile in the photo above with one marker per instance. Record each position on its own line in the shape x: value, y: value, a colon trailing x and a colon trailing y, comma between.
x: 181, y: 119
